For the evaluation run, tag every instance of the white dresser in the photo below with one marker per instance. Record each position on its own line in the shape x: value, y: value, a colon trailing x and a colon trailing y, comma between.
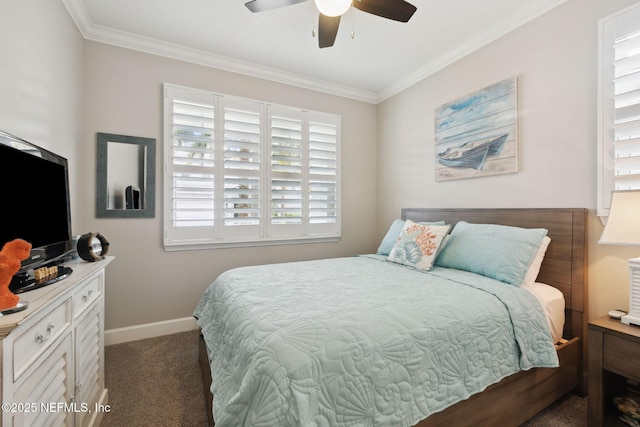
x: 53, y: 353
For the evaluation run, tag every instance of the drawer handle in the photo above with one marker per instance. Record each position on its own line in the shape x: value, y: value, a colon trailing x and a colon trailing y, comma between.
x: 76, y: 391
x: 85, y: 298
x: 43, y: 338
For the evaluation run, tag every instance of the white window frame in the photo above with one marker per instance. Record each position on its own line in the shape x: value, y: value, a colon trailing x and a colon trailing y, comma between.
x: 262, y: 233
x: 617, y: 162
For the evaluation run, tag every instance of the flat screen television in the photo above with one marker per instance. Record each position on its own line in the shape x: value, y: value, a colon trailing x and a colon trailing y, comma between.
x: 36, y: 208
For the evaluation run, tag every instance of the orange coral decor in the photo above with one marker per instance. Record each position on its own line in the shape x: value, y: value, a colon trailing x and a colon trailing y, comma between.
x: 11, y: 255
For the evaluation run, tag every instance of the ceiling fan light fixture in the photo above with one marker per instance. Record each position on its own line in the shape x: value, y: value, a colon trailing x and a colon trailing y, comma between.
x: 333, y: 7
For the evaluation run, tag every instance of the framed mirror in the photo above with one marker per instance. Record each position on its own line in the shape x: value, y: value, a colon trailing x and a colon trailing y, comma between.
x: 126, y: 182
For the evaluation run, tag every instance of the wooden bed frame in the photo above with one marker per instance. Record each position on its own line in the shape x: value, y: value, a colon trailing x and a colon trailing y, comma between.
x: 517, y: 398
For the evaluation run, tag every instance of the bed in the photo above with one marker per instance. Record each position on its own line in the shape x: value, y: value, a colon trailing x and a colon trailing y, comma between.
x: 354, y: 341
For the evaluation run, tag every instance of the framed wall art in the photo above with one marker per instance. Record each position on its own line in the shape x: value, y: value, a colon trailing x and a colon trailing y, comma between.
x: 477, y: 135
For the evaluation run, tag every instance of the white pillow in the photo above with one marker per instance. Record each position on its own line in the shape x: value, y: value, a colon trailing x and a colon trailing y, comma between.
x: 418, y: 244
x: 534, y: 268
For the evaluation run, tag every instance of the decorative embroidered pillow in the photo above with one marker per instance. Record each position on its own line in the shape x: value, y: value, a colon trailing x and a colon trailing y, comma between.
x: 418, y: 244
x: 393, y: 233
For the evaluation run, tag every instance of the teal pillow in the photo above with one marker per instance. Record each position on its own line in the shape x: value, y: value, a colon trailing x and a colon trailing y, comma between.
x: 393, y: 233
x: 501, y: 252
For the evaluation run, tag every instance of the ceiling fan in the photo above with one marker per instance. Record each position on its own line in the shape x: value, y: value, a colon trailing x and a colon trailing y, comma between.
x: 332, y: 10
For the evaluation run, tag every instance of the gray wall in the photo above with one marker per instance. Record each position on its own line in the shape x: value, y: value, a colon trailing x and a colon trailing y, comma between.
x: 555, y: 60
x: 123, y: 95
x: 41, y: 82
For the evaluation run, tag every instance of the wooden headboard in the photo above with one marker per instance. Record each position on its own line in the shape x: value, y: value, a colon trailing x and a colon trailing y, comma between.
x: 565, y: 261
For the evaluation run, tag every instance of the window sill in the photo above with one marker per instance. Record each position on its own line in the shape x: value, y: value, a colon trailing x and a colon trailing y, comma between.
x: 191, y: 246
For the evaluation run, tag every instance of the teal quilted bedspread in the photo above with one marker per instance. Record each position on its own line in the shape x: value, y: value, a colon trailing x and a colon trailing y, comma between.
x: 360, y: 341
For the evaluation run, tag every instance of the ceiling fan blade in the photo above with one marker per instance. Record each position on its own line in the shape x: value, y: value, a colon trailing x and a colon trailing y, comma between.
x: 398, y: 10
x: 327, y: 30
x: 263, y: 5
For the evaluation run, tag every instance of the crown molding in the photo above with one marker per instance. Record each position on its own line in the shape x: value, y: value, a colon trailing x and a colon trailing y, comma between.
x: 126, y: 40
x: 474, y: 43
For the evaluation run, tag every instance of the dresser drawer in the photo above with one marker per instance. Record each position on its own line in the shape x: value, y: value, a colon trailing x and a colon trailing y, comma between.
x: 31, y: 343
x: 50, y: 383
x: 621, y: 356
x: 87, y: 293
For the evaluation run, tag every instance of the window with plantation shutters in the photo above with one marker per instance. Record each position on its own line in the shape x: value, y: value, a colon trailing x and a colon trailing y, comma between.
x: 619, y: 105
x: 242, y: 172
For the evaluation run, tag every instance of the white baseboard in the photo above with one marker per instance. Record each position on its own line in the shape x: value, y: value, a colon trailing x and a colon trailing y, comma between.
x: 149, y: 330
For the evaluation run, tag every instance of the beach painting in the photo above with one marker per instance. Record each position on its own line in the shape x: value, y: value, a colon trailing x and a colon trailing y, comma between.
x: 476, y: 135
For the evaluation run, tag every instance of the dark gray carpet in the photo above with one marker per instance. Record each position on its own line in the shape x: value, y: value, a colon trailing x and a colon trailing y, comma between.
x: 571, y: 411
x: 156, y: 382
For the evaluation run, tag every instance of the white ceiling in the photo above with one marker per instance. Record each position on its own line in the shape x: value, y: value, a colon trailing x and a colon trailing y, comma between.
x: 382, y: 59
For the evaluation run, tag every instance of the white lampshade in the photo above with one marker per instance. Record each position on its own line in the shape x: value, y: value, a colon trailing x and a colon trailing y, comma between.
x: 623, y: 224
x: 333, y: 7
x: 623, y: 228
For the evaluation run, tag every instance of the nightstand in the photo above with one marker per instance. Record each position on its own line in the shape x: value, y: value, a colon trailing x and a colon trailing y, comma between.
x: 614, y: 354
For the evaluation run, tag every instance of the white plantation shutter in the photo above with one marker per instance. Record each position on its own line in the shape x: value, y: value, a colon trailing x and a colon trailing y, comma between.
x: 619, y: 103
x: 323, y: 172
x: 303, y: 173
x: 626, y: 100
x: 239, y: 172
x: 286, y: 136
x: 189, y: 179
x: 242, y: 168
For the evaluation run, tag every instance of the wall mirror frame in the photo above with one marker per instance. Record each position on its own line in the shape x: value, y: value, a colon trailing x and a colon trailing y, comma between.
x: 126, y: 176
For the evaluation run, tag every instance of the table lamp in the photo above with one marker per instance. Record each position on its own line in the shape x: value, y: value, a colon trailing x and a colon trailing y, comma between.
x: 623, y: 228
